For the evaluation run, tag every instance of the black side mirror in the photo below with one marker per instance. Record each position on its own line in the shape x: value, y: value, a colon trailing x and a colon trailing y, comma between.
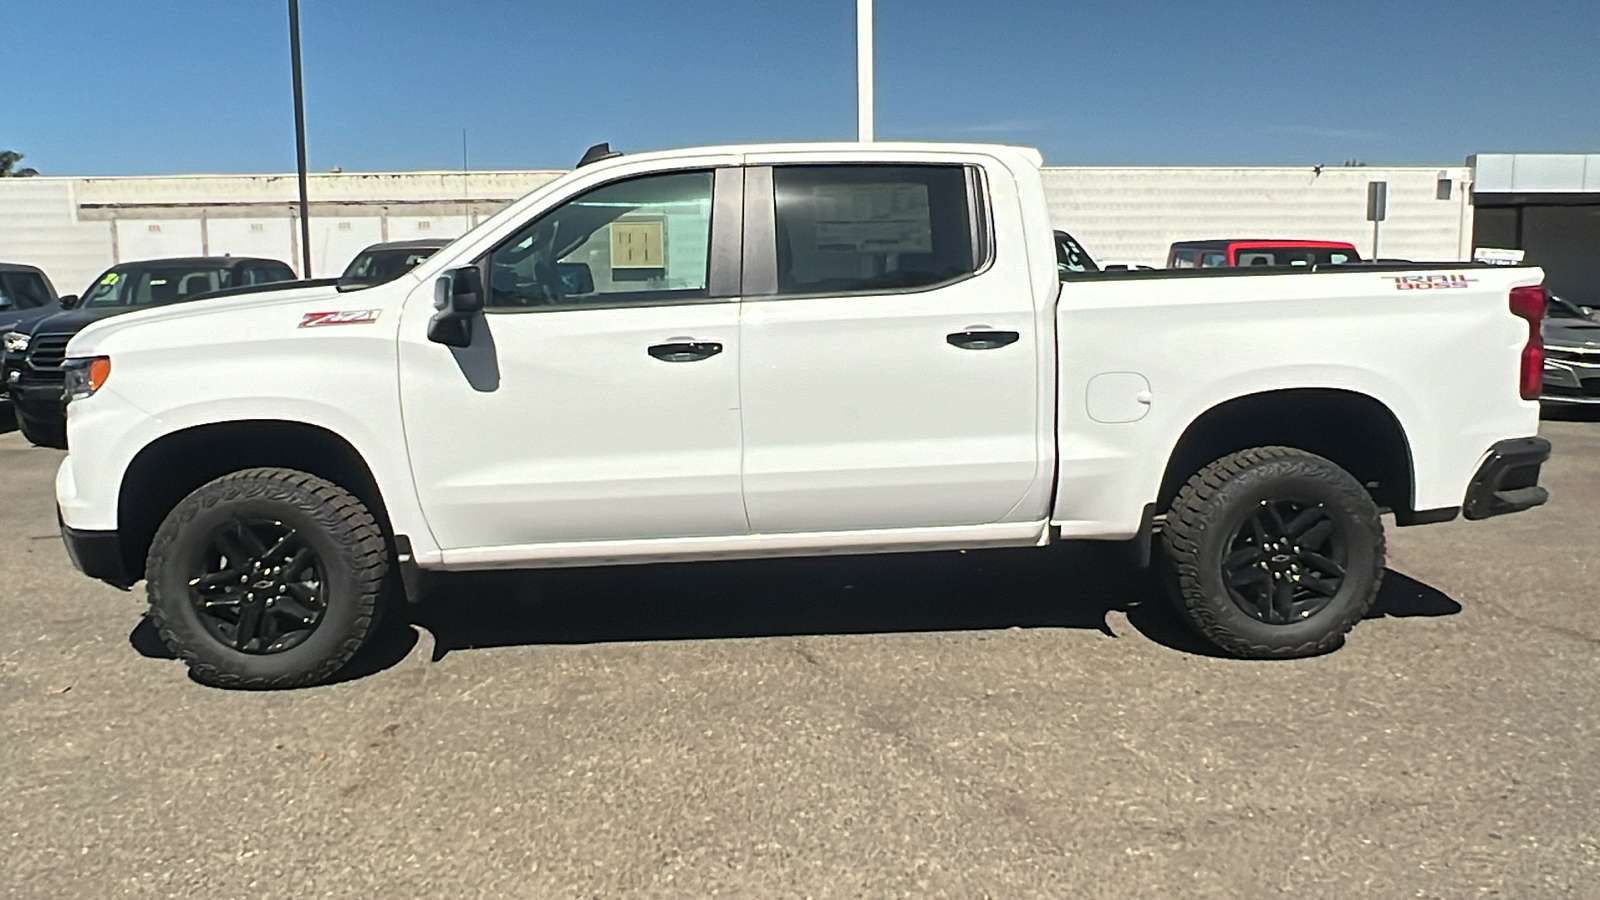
x: 458, y: 297
x: 69, y: 301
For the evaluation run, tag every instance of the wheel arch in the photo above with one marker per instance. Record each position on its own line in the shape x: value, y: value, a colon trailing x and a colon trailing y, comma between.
x: 1356, y: 431
x: 165, y: 471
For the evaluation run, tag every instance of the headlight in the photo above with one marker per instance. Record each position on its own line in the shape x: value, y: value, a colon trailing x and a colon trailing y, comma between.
x: 15, y: 341
x: 85, y: 376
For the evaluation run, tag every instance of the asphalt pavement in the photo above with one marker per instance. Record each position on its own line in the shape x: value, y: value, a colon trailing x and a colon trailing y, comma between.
x: 1007, y: 724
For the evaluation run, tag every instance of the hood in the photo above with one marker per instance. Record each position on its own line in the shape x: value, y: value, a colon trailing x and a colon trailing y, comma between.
x: 322, y: 295
x: 71, y: 321
x: 25, y: 319
x: 1565, y: 332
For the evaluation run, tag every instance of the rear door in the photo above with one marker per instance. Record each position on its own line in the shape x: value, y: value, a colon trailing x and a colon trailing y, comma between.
x: 889, y: 373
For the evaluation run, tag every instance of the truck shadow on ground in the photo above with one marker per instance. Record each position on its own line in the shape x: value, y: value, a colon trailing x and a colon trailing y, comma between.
x: 1064, y: 586
x: 1067, y: 586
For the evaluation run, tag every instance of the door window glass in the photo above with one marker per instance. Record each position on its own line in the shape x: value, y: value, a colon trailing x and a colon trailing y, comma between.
x: 23, y: 290
x: 1213, y: 260
x: 868, y: 229
x: 1183, y: 259
x: 644, y: 240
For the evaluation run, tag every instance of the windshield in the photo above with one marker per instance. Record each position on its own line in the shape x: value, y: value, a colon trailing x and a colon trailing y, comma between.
x: 373, y: 267
x: 135, y: 286
x: 1070, y: 255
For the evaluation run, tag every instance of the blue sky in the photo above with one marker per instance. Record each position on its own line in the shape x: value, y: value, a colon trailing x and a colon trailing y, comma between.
x: 170, y: 86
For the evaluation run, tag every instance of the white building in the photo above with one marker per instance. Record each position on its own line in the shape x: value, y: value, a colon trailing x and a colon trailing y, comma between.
x: 74, y: 228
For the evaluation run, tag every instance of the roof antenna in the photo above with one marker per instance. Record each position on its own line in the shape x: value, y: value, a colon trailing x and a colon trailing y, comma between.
x: 598, y: 152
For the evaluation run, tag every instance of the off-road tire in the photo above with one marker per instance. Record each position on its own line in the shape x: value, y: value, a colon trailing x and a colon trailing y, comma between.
x: 351, y: 551
x: 1217, y: 500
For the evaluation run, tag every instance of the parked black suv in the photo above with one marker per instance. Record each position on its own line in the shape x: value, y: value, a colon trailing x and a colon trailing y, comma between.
x: 26, y: 296
x: 33, y: 356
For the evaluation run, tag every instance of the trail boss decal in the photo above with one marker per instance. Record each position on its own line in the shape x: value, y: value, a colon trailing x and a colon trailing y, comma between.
x: 342, y: 317
x: 1429, y: 282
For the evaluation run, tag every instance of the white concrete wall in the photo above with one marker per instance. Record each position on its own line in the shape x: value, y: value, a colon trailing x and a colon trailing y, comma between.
x: 39, y: 226
x: 74, y: 228
x: 1132, y: 215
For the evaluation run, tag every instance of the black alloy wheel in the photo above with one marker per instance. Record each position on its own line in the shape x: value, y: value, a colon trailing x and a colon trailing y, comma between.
x: 259, y: 589
x: 1273, y: 553
x: 267, y: 578
x: 1286, y: 561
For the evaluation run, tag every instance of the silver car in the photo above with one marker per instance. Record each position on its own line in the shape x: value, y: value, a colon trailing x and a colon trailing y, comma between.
x: 1571, y: 353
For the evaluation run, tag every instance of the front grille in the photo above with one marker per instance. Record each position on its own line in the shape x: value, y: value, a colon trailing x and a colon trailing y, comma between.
x: 1592, y: 357
x: 46, y: 351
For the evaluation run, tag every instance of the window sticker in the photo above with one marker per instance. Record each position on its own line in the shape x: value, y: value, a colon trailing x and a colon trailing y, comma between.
x: 873, y: 218
x: 111, y: 278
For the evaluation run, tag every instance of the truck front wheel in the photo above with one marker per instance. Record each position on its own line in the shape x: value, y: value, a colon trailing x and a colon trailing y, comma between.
x: 266, y: 578
x: 1273, y: 552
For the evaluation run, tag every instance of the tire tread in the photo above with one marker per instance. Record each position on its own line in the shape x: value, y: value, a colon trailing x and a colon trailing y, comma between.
x: 348, y: 520
x: 1190, y: 515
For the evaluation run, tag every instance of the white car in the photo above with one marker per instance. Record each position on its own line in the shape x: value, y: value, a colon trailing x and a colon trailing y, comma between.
x: 787, y: 350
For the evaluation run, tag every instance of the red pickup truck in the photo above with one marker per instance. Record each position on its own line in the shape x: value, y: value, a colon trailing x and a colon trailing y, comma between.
x: 1215, y: 254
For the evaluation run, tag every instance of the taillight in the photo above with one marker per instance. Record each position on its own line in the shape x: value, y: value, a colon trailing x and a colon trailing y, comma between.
x: 1528, y: 303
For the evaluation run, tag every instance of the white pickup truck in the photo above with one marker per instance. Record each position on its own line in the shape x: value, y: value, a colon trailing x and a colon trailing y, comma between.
x: 787, y: 350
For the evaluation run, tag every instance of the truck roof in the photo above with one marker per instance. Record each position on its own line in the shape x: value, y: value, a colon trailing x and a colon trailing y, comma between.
x: 886, y: 148
x: 220, y: 262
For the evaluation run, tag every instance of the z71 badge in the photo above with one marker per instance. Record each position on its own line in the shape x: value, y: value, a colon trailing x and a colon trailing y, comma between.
x: 342, y: 317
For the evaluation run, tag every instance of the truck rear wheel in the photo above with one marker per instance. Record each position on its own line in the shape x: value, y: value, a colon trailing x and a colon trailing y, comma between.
x: 266, y: 578
x: 1273, y: 553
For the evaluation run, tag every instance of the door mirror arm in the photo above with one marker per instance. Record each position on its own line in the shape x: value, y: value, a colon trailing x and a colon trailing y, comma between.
x: 458, y: 298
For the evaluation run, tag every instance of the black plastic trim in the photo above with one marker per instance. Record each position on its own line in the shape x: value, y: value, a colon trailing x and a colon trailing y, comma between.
x: 1508, y: 481
x: 1404, y: 517
x: 1144, y: 541
x: 97, y: 554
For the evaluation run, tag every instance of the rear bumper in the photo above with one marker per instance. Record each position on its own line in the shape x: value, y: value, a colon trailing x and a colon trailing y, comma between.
x: 97, y: 554
x: 1508, y: 481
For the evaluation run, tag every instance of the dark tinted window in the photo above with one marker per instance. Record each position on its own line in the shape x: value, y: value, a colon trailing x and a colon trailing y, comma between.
x: 865, y: 229
x: 265, y: 274
x: 24, y: 290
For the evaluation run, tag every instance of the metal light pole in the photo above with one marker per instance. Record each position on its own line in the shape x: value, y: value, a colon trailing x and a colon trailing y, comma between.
x: 864, y: 70
x: 300, y: 137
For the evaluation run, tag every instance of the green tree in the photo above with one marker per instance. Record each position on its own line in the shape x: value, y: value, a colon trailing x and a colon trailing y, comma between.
x: 8, y: 165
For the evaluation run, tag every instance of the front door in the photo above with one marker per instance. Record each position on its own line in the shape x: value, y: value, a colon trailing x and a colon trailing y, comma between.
x: 599, y: 399
x: 889, y: 357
